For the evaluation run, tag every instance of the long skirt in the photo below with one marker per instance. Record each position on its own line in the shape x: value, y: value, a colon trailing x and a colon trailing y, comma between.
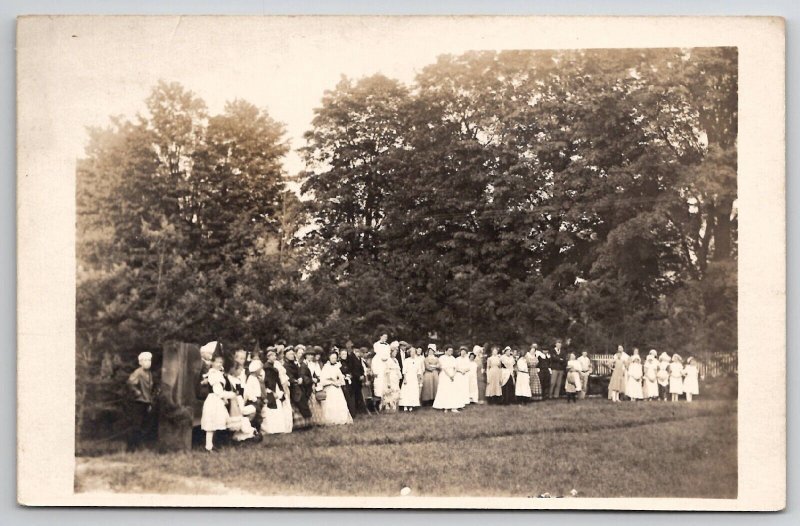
x: 462, y: 384
x: 288, y: 414
x: 617, y: 381
x: 493, y: 385
x: 215, y: 414
x: 481, y: 386
x: 536, y: 386
x: 691, y: 385
x: 301, y: 414
x: 508, y: 392
x: 650, y: 388
x: 347, y: 391
x: 447, y: 394
x: 409, y: 391
x: 317, y: 418
x: 474, y: 390
x: 633, y: 388
x: 430, y: 384
x: 675, y: 385
x: 522, y: 388
x: 334, y: 407
x: 274, y: 420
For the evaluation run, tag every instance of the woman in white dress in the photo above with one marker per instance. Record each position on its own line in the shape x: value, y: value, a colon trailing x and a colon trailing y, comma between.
x: 462, y: 370
x: 447, y: 395
x: 676, y: 377
x: 334, y: 407
x: 472, y: 379
x: 284, y: 378
x: 413, y: 368
x: 273, y: 414
x: 522, y: 389
x: 633, y: 385
x: 662, y: 376
x: 650, y: 381
x: 691, y: 385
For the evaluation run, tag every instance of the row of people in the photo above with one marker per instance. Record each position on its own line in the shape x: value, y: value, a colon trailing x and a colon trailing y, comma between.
x: 654, y: 378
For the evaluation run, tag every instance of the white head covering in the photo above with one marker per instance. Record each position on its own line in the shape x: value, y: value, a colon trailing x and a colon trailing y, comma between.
x: 208, y: 349
x: 255, y: 366
x: 432, y: 346
x: 477, y: 349
x: 394, y: 345
x: 145, y: 356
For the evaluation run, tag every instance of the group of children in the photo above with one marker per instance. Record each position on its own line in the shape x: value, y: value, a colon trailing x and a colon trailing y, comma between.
x: 653, y: 379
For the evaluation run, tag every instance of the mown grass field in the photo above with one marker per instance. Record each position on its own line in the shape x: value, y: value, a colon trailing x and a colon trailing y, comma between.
x: 596, y: 447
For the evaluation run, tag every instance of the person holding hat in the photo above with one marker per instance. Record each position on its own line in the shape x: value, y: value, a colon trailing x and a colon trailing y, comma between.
x: 507, y: 366
x: 676, y: 377
x: 143, y: 418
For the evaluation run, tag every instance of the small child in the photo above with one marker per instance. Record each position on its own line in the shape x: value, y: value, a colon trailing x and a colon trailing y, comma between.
x: 690, y: 379
x: 573, y: 385
x: 633, y: 385
x: 676, y: 377
x: 215, y: 414
x: 663, y: 376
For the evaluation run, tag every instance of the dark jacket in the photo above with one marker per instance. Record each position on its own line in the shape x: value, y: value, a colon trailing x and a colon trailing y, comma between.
x: 272, y: 381
x: 558, y: 362
x: 308, y: 382
x: 140, y: 382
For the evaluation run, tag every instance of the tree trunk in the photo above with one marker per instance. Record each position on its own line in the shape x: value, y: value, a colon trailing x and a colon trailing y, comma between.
x: 722, y: 231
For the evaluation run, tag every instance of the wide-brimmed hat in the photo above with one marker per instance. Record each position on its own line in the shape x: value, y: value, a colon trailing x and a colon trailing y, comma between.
x: 145, y: 356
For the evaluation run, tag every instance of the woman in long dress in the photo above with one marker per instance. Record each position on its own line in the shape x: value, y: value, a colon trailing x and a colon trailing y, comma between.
x: 533, y: 372
x: 616, y: 385
x: 494, y: 389
x: 430, y: 378
x: 522, y: 389
x: 650, y: 379
x: 288, y: 413
x: 462, y: 371
x: 472, y: 379
x: 480, y: 362
x: 391, y: 392
x: 312, y: 361
x: 412, y: 381
x: 447, y: 395
x: 507, y: 366
x: 334, y: 406
x: 347, y: 389
x: 676, y: 377
x: 273, y: 415
x: 691, y: 385
x: 662, y: 376
x: 633, y: 386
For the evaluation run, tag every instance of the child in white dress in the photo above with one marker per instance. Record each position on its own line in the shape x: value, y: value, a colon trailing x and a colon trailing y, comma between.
x: 690, y: 379
x: 676, y: 377
x: 633, y: 386
x: 662, y: 376
x: 215, y: 414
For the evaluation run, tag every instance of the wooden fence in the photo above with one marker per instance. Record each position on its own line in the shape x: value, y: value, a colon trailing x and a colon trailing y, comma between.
x: 714, y: 365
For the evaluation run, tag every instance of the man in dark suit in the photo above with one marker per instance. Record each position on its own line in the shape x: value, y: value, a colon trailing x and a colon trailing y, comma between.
x: 356, y: 367
x: 298, y: 396
x: 558, y: 366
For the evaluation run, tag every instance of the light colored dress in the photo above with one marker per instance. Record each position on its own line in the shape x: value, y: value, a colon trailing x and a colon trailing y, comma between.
x: 617, y: 381
x: 493, y: 374
x: 430, y: 379
x: 287, y: 404
x: 523, y: 386
x: 334, y: 407
x: 676, y: 378
x: 378, y: 366
x: 472, y: 381
x: 215, y: 414
x: 462, y: 382
x: 447, y: 395
x: 633, y: 387
x: 650, y: 385
x: 410, y: 390
x: 662, y: 375
x: 691, y: 385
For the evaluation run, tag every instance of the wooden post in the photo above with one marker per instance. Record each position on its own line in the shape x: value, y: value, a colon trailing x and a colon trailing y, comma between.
x: 177, y: 401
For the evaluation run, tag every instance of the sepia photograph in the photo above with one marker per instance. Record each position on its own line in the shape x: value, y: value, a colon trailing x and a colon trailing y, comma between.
x: 431, y: 270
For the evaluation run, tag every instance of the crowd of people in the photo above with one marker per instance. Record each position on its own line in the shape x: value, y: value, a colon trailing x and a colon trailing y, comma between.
x: 285, y: 388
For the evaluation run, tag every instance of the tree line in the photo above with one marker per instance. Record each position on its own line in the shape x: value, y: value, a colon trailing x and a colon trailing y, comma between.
x: 500, y: 197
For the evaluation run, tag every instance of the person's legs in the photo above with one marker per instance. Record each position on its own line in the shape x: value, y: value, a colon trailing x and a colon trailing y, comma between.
x: 584, y: 385
x: 136, y: 433
x: 688, y: 397
x: 209, y: 440
x: 556, y: 380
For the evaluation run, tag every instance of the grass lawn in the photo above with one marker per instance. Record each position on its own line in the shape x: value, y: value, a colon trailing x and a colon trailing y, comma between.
x: 596, y: 447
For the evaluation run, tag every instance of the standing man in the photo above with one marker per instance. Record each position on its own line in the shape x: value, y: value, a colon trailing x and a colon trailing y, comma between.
x: 544, y: 371
x: 357, y: 372
x: 585, y: 370
x: 558, y: 364
x: 379, y: 363
x: 140, y: 384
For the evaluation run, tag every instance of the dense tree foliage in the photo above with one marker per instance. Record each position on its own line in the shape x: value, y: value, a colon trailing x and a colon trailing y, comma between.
x: 502, y: 196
